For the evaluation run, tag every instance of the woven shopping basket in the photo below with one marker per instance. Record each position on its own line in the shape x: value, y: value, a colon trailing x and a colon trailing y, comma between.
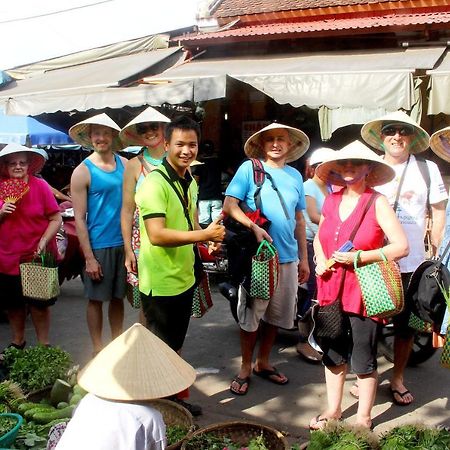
x: 239, y: 432
x: 39, y: 278
x: 264, y: 274
x: 174, y: 414
x: 445, y: 355
x: 381, y: 287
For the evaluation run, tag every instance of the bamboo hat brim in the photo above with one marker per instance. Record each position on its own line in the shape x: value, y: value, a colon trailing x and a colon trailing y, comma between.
x: 137, y: 365
x: 80, y: 132
x: 440, y: 143
x: 380, y: 172
x: 36, y: 157
x: 299, y: 142
x: 129, y: 134
x: 371, y: 132
x: 320, y: 154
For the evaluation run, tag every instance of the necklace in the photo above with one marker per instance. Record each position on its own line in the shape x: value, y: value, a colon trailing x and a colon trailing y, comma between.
x: 151, y: 160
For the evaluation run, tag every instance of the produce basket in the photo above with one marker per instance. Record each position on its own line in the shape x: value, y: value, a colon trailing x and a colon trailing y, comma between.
x: 8, y: 439
x: 241, y: 433
x: 174, y: 414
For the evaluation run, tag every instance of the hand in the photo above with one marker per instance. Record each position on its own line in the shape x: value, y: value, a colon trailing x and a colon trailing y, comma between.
x: 215, y: 230
x: 94, y: 269
x: 260, y: 233
x: 213, y: 247
x: 41, y: 245
x: 130, y: 261
x: 303, y: 271
x: 344, y: 258
x: 8, y: 208
x: 322, y: 268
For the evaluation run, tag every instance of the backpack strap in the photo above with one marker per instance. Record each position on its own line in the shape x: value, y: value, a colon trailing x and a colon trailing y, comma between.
x: 425, y: 172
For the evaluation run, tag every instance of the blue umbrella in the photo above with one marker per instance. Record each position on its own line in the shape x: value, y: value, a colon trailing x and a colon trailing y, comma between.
x: 25, y: 130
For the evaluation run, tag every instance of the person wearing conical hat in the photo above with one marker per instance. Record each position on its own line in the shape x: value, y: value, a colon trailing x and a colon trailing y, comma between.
x: 121, y: 380
x: 416, y: 187
x: 146, y: 130
x: 363, y: 216
x: 29, y: 221
x: 282, y: 201
x: 96, y: 188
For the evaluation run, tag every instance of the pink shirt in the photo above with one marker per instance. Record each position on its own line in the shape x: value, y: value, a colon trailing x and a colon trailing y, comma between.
x: 21, y: 231
x: 332, y: 234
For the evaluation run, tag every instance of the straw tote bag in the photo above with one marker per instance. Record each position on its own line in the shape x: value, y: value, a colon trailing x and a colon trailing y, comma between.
x: 381, y: 287
x: 264, y: 274
x: 39, y: 278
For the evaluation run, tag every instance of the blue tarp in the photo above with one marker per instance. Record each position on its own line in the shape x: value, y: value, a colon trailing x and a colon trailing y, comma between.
x: 4, y: 79
x: 25, y: 130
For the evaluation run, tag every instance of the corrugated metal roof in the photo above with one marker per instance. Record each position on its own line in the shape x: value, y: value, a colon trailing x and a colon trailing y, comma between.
x: 231, y: 8
x: 330, y: 24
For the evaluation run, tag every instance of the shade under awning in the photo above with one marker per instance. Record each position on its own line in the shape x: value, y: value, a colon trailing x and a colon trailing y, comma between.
x: 371, y: 78
x: 439, y: 87
x: 85, y: 86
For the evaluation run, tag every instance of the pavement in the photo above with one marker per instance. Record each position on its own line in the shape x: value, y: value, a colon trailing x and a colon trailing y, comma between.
x: 212, y: 347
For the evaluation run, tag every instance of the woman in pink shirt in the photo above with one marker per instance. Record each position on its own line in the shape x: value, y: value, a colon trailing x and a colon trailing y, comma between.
x: 27, y: 228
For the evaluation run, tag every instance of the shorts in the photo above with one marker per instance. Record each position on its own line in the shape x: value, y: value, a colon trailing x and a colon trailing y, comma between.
x: 12, y: 297
x: 359, y: 341
x: 168, y: 316
x: 400, y: 321
x: 114, y: 281
x: 279, y: 311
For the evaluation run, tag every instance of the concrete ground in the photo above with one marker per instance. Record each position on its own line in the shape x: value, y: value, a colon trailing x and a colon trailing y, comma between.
x: 212, y: 347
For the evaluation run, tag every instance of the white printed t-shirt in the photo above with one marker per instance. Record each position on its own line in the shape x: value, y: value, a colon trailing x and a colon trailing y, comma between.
x: 412, y: 206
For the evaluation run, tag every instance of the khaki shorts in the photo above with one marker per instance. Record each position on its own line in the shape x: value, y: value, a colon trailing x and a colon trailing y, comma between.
x: 279, y: 311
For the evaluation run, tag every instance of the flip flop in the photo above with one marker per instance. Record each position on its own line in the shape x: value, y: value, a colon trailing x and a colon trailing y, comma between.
x: 318, y: 420
x: 241, y: 382
x: 401, y: 395
x: 354, y: 390
x: 268, y: 374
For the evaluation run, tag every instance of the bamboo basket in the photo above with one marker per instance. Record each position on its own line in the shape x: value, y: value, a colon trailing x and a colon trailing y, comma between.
x: 240, y: 432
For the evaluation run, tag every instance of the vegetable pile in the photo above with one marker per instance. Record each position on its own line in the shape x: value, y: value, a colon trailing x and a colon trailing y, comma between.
x: 209, y: 441
x: 6, y: 425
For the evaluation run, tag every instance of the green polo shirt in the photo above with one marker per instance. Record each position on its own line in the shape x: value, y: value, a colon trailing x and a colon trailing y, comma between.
x: 165, y: 271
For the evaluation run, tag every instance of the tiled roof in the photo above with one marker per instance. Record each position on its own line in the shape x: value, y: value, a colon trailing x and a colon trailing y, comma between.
x: 231, y: 8
x: 356, y: 23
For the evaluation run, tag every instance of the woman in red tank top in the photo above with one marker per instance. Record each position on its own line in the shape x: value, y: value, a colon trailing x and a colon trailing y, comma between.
x: 357, y: 169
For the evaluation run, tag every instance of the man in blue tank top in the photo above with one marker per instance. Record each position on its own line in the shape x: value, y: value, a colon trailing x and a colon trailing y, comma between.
x: 96, y: 188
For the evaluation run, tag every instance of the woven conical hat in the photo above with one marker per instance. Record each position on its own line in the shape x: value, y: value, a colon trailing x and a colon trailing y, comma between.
x: 129, y: 134
x: 380, y: 171
x: 36, y: 157
x: 371, y: 132
x: 440, y: 143
x: 299, y: 142
x: 80, y: 132
x: 137, y: 365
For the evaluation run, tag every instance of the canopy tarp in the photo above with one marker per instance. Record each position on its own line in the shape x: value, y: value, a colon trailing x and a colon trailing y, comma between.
x: 439, y: 87
x: 72, y: 88
x: 28, y: 131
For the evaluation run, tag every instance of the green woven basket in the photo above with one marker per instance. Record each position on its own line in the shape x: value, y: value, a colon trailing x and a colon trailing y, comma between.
x: 8, y: 439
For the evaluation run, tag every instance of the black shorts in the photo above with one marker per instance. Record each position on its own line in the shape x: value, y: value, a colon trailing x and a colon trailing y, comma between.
x: 400, y: 321
x: 359, y: 341
x: 168, y: 317
x: 12, y: 297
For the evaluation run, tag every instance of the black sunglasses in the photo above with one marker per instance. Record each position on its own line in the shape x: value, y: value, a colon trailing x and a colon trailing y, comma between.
x: 353, y: 162
x: 142, y: 128
x: 392, y: 130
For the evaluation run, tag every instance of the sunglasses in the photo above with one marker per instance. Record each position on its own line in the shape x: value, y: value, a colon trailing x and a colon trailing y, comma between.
x: 353, y: 162
x: 142, y: 128
x: 404, y: 130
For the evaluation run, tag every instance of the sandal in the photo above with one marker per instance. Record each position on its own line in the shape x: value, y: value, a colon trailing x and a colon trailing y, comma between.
x: 321, y: 422
x: 268, y: 374
x: 241, y: 382
x: 395, y: 392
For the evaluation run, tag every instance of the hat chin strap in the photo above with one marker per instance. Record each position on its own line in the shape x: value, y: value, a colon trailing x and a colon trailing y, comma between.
x: 355, y: 180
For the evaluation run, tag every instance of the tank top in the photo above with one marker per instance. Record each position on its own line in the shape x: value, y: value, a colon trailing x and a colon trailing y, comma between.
x: 333, y: 233
x: 104, y: 202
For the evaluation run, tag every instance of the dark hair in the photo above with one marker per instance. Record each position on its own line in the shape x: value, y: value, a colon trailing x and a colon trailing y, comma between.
x: 142, y: 128
x: 181, y: 123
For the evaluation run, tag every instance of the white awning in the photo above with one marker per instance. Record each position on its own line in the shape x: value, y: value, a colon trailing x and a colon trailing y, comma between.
x: 353, y: 79
x: 93, y: 85
x: 439, y: 87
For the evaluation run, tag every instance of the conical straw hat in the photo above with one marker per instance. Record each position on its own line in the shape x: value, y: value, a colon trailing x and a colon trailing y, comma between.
x: 129, y: 134
x: 440, y: 143
x: 36, y: 157
x: 380, y: 171
x: 320, y: 154
x: 80, y: 132
x: 371, y: 132
x: 137, y: 365
x: 299, y: 142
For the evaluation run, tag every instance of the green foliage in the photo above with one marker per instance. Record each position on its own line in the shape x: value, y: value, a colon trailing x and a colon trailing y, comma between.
x: 175, y: 433
x: 416, y: 437
x: 209, y: 441
x: 10, y: 395
x: 32, y: 436
x: 36, y: 367
x: 6, y: 425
